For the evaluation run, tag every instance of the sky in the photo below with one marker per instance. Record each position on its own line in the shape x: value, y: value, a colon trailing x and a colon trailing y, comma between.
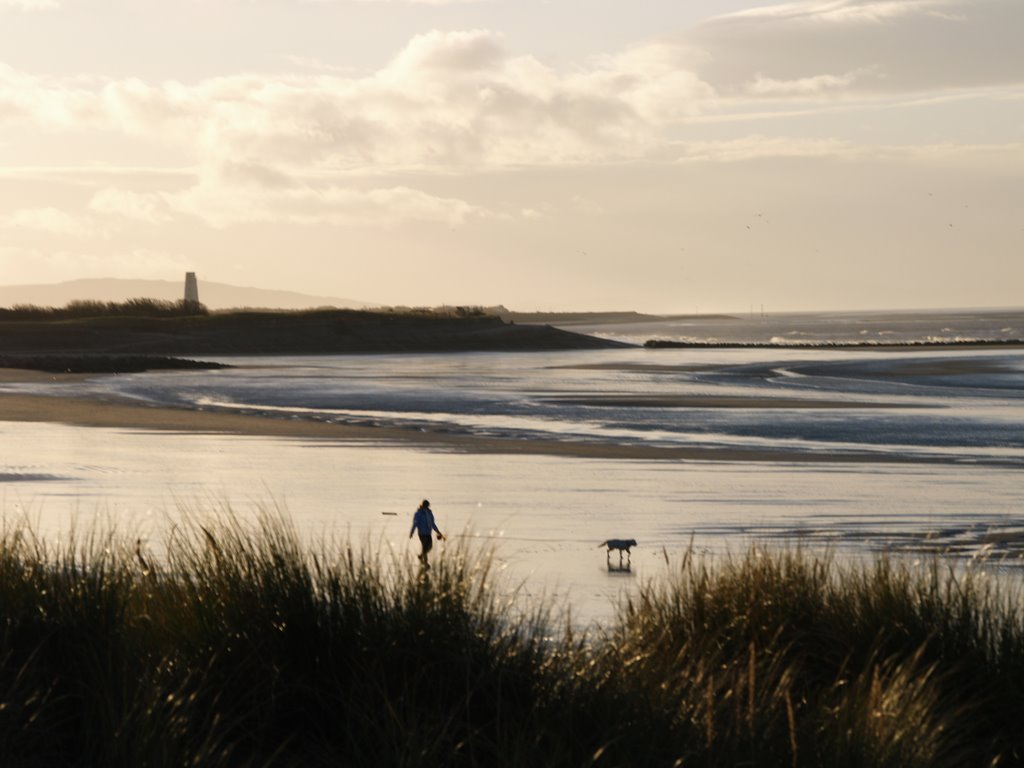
x: 656, y: 155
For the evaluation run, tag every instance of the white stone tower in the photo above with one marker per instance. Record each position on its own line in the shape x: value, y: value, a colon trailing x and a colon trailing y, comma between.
x: 191, y: 289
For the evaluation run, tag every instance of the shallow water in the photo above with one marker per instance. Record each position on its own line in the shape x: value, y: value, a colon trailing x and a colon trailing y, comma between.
x: 545, y: 515
x: 956, y: 406
x: 881, y: 327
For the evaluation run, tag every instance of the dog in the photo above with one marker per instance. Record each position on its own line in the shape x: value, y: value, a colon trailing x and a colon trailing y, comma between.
x: 622, y: 545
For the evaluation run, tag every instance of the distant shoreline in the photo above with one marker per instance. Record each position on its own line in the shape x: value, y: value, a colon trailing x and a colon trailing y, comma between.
x: 826, y: 345
x: 601, y: 318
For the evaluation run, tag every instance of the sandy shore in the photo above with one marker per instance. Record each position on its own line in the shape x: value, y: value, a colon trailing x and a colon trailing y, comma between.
x: 127, y: 414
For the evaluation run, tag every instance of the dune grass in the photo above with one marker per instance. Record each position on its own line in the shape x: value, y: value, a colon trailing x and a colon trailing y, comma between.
x: 245, y: 648
x: 137, y: 307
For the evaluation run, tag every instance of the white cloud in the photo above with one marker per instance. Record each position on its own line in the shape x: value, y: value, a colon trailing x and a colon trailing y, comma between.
x: 30, y: 5
x: 224, y: 206
x: 446, y: 100
x: 47, y: 101
x: 656, y: 81
x: 457, y: 53
x: 297, y: 147
x: 803, y: 86
x: 461, y: 100
x: 149, y: 207
x: 420, y: 2
x: 845, y: 11
x: 51, y: 221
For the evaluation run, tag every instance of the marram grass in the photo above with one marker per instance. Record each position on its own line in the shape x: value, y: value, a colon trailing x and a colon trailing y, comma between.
x: 243, y: 647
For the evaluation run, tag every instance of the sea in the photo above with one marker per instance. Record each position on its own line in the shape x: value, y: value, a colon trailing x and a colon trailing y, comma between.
x: 848, y: 444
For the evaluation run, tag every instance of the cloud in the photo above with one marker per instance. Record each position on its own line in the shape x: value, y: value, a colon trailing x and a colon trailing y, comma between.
x: 225, y: 202
x: 299, y: 147
x: 990, y: 157
x: 418, y: 2
x: 892, y: 46
x: 761, y: 147
x: 804, y: 86
x: 47, y: 101
x: 220, y: 206
x: 51, y: 221
x: 846, y: 11
x: 150, y: 208
x: 462, y: 100
x: 30, y: 5
x: 655, y: 81
x: 447, y: 52
x: 445, y: 100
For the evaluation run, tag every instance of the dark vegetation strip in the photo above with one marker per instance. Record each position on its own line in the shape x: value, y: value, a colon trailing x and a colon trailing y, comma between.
x: 146, y: 327
x: 140, y: 307
x: 246, y: 649
x: 105, y: 363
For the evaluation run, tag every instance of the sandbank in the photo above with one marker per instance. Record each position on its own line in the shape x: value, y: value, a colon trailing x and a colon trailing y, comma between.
x: 927, y: 367
x: 120, y: 413
x: 723, y: 401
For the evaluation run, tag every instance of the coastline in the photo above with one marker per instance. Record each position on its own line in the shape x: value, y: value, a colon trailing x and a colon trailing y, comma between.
x: 869, y: 346
x: 264, y: 332
x: 127, y: 414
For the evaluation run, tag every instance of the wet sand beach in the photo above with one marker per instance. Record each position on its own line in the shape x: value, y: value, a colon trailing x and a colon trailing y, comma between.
x: 130, y: 414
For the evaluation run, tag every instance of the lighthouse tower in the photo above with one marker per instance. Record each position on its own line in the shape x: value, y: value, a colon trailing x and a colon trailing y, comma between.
x: 191, y: 290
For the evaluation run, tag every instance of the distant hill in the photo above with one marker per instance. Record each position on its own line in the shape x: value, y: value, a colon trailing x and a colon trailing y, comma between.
x: 213, y: 295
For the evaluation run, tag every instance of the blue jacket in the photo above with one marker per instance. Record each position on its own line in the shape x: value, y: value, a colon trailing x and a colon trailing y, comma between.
x: 423, y: 522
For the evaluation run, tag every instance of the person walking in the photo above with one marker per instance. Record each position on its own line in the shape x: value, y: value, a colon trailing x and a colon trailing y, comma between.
x: 423, y: 524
